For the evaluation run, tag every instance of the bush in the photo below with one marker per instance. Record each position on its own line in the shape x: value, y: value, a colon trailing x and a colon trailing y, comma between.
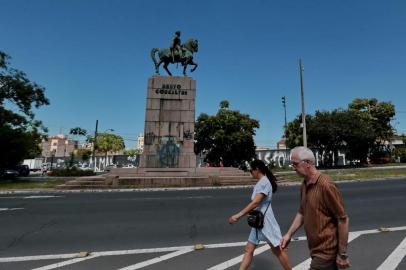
x: 401, y: 153
x: 71, y: 172
x: 271, y: 164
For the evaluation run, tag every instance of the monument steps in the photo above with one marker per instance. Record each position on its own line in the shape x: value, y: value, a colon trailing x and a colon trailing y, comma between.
x: 162, y: 178
x: 73, y: 187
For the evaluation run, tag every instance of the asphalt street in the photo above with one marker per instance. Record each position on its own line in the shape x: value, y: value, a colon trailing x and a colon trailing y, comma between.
x: 63, y: 223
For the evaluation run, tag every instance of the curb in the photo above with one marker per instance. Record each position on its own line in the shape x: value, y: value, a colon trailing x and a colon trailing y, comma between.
x: 287, y: 183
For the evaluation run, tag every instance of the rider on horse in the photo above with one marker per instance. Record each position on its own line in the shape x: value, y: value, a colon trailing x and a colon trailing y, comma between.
x: 176, y: 47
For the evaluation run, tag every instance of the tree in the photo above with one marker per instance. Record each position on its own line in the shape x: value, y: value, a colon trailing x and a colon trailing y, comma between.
x: 84, y: 154
x: 132, y: 152
x: 226, y: 137
x: 224, y: 104
x: 359, y: 131
x: 20, y: 132
x: 379, y: 116
x: 78, y: 131
x: 340, y: 130
x: 294, y: 132
x: 107, y: 142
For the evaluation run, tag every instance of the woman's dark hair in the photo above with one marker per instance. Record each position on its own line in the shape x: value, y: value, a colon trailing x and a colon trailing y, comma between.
x: 260, y: 165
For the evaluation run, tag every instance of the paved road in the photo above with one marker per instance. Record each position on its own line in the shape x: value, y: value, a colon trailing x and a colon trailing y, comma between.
x: 136, y: 228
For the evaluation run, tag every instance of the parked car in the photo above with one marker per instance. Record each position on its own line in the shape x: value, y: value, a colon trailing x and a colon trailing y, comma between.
x: 8, y: 174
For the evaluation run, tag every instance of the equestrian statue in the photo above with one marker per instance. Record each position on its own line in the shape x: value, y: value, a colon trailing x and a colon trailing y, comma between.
x: 177, y: 53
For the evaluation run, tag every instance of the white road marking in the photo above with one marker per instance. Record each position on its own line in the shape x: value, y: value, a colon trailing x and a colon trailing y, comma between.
x: 395, y: 257
x: 100, y: 253
x: 41, y: 196
x: 166, y: 199
x: 236, y: 244
x: 305, y: 265
x: 60, y: 264
x: 32, y: 197
x: 238, y: 259
x: 141, y: 251
x: 157, y: 259
x: 39, y: 257
x: 352, y: 236
x: 10, y: 209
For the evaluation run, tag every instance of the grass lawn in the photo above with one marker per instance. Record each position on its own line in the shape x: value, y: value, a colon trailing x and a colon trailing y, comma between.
x: 352, y: 174
x: 27, y: 184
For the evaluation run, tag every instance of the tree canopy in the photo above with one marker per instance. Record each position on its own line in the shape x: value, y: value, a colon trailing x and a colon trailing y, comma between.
x: 107, y: 142
x: 359, y: 131
x: 132, y: 152
x: 226, y: 137
x: 78, y: 131
x: 20, y: 132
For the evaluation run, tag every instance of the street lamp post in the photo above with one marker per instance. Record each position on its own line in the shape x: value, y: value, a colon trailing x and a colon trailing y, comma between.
x: 284, y: 107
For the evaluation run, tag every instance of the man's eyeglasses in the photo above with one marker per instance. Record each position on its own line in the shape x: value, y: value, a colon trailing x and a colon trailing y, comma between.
x: 295, y: 164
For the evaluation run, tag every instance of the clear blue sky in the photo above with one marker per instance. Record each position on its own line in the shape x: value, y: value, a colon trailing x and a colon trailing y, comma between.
x: 93, y: 56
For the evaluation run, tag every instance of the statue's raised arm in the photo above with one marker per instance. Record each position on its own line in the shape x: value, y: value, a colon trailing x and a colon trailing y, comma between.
x: 176, y: 53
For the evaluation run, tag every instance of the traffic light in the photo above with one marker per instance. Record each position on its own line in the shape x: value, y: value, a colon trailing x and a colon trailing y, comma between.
x: 283, y: 100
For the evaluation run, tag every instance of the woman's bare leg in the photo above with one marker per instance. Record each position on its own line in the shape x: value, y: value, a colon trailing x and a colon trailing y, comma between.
x: 282, y: 256
x: 249, y: 253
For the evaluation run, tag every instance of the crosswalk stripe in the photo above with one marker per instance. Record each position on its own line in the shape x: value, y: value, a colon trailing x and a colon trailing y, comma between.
x: 305, y: 265
x: 157, y: 259
x: 394, y: 258
x: 237, y: 259
x: 352, y: 236
x: 60, y: 264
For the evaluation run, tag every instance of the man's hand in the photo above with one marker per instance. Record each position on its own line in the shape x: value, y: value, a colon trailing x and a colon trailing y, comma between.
x: 233, y: 219
x: 285, y: 241
x: 342, y: 264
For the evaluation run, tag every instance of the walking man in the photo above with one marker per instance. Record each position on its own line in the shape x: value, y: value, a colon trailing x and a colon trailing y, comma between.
x: 322, y: 213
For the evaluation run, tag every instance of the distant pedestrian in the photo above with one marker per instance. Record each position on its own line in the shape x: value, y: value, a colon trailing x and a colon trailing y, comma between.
x: 322, y: 213
x: 44, y: 170
x: 261, y: 200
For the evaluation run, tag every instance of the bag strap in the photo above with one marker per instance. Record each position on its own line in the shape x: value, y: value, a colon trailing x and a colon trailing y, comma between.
x: 267, y: 196
x: 267, y: 208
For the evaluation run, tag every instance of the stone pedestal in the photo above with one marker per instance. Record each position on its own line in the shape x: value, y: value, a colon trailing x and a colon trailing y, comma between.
x: 169, y: 123
x: 168, y: 159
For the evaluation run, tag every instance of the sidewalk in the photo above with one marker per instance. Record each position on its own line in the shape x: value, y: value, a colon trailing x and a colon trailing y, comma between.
x: 40, y: 185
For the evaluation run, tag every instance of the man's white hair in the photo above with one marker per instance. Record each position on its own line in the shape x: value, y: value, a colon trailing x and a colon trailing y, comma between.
x: 304, y: 153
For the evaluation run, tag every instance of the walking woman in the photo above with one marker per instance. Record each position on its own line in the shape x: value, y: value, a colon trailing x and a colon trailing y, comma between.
x: 261, y: 200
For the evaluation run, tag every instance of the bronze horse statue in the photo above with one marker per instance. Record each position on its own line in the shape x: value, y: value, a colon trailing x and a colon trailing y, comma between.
x: 185, y: 58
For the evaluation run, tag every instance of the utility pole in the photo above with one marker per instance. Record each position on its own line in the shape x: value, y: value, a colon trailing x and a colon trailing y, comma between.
x: 94, y: 146
x: 303, y: 107
x: 284, y: 107
x: 285, y: 128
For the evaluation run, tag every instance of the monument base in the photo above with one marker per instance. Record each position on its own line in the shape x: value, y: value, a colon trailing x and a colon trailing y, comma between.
x: 162, y: 178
